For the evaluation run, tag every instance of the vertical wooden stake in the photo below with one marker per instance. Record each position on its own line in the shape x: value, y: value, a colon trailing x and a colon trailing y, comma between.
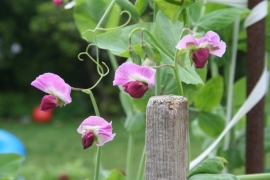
x: 167, y: 138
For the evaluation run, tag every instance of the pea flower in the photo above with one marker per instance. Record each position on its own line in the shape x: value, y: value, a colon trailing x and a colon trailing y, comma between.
x: 55, y: 86
x: 96, y: 129
x: 201, y: 47
x: 134, y: 79
x: 58, y: 2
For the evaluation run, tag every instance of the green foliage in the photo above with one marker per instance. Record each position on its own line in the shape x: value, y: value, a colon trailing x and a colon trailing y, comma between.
x: 219, y: 19
x: 128, y: 6
x: 211, y: 124
x: 10, y: 164
x: 87, y: 16
x: 115, y: 175
x: 141, y: 5
x: 212, y: 165
x: 210, y: 95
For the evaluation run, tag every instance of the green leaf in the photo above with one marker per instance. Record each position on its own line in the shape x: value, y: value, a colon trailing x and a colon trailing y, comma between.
x: 212, y: 165
x: 87, y: 14
x: 115, y: 175
x: 172, y: 7
x: 213, y: 177
x: 220, y: 19
x: 211, y: 124
x: 128, y: 6
x: 141, y: 5
x: 211, y: 94
x: 10, y: 164
x: 140, y: 103
x: 136, y: 122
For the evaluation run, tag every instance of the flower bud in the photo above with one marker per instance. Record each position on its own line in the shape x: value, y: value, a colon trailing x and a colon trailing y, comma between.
x: 58, y: 2
x: 200, y: 57
x: 134, y: 55
x: 48, y: 103
x: 149, y: 51
x: 88, y: 139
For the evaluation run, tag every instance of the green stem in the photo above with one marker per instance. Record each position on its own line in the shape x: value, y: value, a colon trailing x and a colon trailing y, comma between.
x: 153, y: 38
x: 177, y: 75
x: 158, y: 80
x: 104, y: 15
x: 129, y: 156
x: 98, y: 155
x: 113, y: 60
x: 141, y: 166
x: 265, y: 176
x: 94, y: 103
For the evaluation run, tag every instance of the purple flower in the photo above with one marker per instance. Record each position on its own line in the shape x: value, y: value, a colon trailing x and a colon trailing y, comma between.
x: 96, y: 129
x: 201, y: 47
x: 134, y: 79
x: 58, y: 2
x: 55, y: 86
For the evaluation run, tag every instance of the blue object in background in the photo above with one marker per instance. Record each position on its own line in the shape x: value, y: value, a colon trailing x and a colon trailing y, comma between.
x: 9, y: 143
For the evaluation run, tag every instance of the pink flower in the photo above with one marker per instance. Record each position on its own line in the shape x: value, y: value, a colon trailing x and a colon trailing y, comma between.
x: 58, y: 2
x: 201, y: 47
x: 134, y: 79
x: 96, y: 129
x: 55, y: 86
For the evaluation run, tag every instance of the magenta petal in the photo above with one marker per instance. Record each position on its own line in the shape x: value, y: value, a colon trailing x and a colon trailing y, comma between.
x: 88, y: 139
x: 132, y: 72
x: 48, y: 103
x: 212, y: 37
x: 99, y: 127
x: 54, y: 85
x: 58, y: 2
x: 135, y: 89
x: 200, y: 57
x: 186, y: 41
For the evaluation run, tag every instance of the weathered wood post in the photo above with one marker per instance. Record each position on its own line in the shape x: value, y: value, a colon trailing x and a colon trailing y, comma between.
x: 167, y: 138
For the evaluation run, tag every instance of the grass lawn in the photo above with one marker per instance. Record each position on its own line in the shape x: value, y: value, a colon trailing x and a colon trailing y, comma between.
x: 55, y: 148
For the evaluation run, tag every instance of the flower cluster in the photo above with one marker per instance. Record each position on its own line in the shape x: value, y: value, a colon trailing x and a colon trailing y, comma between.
x: 201, y: 47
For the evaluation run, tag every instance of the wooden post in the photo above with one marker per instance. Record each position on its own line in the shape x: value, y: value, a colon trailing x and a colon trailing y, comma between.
x: 167, y: 138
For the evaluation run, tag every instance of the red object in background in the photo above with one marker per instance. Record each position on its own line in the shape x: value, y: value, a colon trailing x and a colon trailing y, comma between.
x: 41, y: 116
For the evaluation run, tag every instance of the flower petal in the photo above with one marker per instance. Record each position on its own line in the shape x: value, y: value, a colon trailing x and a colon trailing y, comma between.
x: 54, y: 85
x: 99, y: 127
x: 48, y: 103
x: 186, y: 41
x: 132, y: 72
x: 219, y: 49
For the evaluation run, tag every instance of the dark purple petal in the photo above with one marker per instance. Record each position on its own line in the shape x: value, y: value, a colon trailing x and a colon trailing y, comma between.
x: 48, y: 103
x: 200, y: 57
x: 135, y: 89
x: 88, y: 139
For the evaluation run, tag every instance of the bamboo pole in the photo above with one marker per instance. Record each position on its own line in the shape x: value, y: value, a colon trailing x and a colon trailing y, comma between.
x: 167, y: 138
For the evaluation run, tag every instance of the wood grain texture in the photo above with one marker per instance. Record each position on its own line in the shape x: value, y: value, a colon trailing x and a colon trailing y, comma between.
x: 167, y: 138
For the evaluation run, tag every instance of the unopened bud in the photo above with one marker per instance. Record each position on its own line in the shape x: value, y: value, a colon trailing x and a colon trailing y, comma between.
x: 149, y: 51
x: 134, y: 55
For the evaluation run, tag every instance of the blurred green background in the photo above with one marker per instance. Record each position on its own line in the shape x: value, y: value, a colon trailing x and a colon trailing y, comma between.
x: 37, y: 37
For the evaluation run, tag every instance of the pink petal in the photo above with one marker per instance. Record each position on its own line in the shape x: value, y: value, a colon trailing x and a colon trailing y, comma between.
x: 212, y: 37
x: 104, y: 132
x: 219, y: 49
x: 186, y: 41
x: 54, y: 85
x: 132, y: 72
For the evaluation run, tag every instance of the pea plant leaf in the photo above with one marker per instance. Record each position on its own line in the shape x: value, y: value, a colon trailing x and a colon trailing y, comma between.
x: 220, y: 19
x: 87, y: 16
x: 128, y: 6
x: 210, y: 95
x: 141, y: 6
x: 211, y: 124
x: 213, y: 177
